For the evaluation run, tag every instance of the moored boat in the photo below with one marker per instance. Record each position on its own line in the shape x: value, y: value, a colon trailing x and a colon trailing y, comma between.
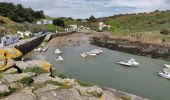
x: 164, y: 74
x: 167, y: 66
x: 131, y: 62
x: 59, y: 59
x: 91, y: 53
x: 83, y: 55
x: 58, y: 51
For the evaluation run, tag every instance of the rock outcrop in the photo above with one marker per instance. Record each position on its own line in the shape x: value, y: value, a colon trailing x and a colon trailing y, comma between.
x: 33, y: 86
x: 133, y: 47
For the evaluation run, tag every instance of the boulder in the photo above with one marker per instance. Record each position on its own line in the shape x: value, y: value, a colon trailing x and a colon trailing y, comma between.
x: 16, y: 85
x: 89, y: 91
x: 34, y: 63
x: 107, y: 95
x: 10, y: 78
x: 68, y: 82
x: 66, y: 94
x: 4, y: 89
x: 48, y: 87
x: 11, y: 70
x: 45, y: 77
x: 20, y: 96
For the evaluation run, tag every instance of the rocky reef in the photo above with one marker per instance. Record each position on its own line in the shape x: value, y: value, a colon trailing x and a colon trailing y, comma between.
x: 132, y: 47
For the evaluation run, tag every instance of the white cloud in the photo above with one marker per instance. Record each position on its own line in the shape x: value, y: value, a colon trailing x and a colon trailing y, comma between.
x: 85, y: 8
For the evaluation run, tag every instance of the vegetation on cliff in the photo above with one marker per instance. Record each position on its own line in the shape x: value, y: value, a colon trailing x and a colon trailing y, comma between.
x: 18, y: 13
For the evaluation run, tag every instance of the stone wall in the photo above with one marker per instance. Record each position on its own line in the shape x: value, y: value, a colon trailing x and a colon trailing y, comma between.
x: 28, y: 46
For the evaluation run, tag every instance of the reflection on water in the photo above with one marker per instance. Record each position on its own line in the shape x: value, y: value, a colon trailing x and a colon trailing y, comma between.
x: 103, y: 70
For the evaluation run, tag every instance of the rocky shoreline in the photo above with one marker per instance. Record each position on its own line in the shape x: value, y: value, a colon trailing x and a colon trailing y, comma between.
x: 132, y: 47
x: 37, y: 84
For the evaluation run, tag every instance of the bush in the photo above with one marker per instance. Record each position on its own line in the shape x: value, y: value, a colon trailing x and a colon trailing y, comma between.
x: 165, y: 31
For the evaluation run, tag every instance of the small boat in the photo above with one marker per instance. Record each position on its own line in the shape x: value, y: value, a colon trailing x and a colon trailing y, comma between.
x: 131, y: 62
x: 91, y: 53
x: 84, y: 55
x: 97, y: 51
x: 164, y: 75
x: 59, y: 59
x: 57, y: 51
x: 35, y: 50
x: 45, y: 49
x: 100, y: 51
x: 39, y: 49
x: 167, y: 66
x: 166, y: 70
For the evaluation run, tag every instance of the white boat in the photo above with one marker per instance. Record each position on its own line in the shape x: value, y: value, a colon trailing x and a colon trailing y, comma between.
x: 100, y: 50
x: 165, y: 75
x: 97, y: 51
x: 84, y: 55
x: 45, y: 49
x: 39, y: 49
x: 166, y: 70
x: 58, y: 51
x: 91, y: 53
x: 59, y: 59
x: 167, y: 66
x: 35, y: 50
x: 131, y: 62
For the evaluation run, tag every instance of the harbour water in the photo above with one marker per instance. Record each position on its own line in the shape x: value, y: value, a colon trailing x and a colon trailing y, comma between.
x: 104, y: 70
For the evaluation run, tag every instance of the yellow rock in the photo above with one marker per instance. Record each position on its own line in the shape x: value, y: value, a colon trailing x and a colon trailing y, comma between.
x: 102, y: 98
x: 5, y: 63
x: 11, y: 52
x: 45, y: 65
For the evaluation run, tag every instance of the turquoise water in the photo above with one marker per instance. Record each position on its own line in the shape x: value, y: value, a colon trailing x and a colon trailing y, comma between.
x: 103, y: 70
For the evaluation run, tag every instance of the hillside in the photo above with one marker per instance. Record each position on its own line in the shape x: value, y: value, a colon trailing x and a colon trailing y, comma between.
x: 139, y: 22
x: 18, y: 13
x: 146, y: 25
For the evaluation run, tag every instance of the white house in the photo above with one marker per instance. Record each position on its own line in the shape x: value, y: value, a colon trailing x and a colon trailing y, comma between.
x: 23, y: 34
x: 39, y: 22
x: 102, y: 25
x: 73, y: 27
x: 44, y: 22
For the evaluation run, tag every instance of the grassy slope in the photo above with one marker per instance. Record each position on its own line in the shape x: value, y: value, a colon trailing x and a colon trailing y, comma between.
x: 147, y: 24
x: 140, y: 22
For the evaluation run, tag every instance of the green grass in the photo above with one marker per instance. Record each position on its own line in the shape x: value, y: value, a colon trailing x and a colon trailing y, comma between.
x: 36, y: 70
x: 26, y: 80
x: 83, y: 83
x: 139, y: 22
x: 40, y: 85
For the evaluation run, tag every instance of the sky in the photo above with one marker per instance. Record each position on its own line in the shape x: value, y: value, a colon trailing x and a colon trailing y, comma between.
x: 98, y: 8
